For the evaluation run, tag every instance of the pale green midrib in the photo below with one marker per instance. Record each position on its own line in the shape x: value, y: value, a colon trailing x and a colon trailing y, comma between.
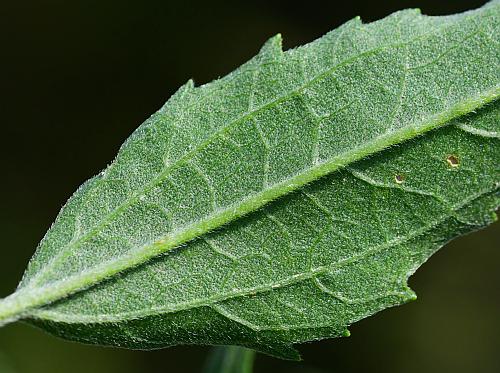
x: 40, y: 276
x: 288, y: 281
x: 12, y: 307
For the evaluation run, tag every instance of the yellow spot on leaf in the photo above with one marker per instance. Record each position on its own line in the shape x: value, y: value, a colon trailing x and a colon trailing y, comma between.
x: 452, y: 161
x: 399, y: 178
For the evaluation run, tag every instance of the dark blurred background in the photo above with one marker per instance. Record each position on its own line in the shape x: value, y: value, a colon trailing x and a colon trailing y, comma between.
x: 77, y: 77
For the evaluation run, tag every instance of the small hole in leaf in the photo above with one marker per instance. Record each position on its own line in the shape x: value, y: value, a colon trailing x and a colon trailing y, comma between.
x: 399, y: 178
x: 452, y: 161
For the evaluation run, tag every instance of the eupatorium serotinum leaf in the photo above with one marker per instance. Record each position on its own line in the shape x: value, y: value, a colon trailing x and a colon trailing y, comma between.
x: 285, y: 201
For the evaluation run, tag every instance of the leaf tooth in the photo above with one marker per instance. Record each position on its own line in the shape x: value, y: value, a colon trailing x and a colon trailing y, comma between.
x: 179, y: 95
x: 272, y: 49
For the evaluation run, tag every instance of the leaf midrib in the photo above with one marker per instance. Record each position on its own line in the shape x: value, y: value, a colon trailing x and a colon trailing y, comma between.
x: 18, y: 304
x: 47, y: 270
x: 288, y: 281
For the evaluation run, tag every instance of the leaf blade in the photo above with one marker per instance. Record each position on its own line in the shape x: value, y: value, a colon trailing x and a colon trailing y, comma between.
x: 78, y: 270
x: 219, y: 319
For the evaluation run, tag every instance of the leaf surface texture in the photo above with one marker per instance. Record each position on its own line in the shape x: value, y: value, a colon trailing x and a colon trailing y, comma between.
x: 285, y: 201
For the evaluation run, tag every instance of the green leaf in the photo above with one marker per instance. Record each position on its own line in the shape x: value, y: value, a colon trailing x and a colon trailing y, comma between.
x: 230, y: 359
x: 286, y: 201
